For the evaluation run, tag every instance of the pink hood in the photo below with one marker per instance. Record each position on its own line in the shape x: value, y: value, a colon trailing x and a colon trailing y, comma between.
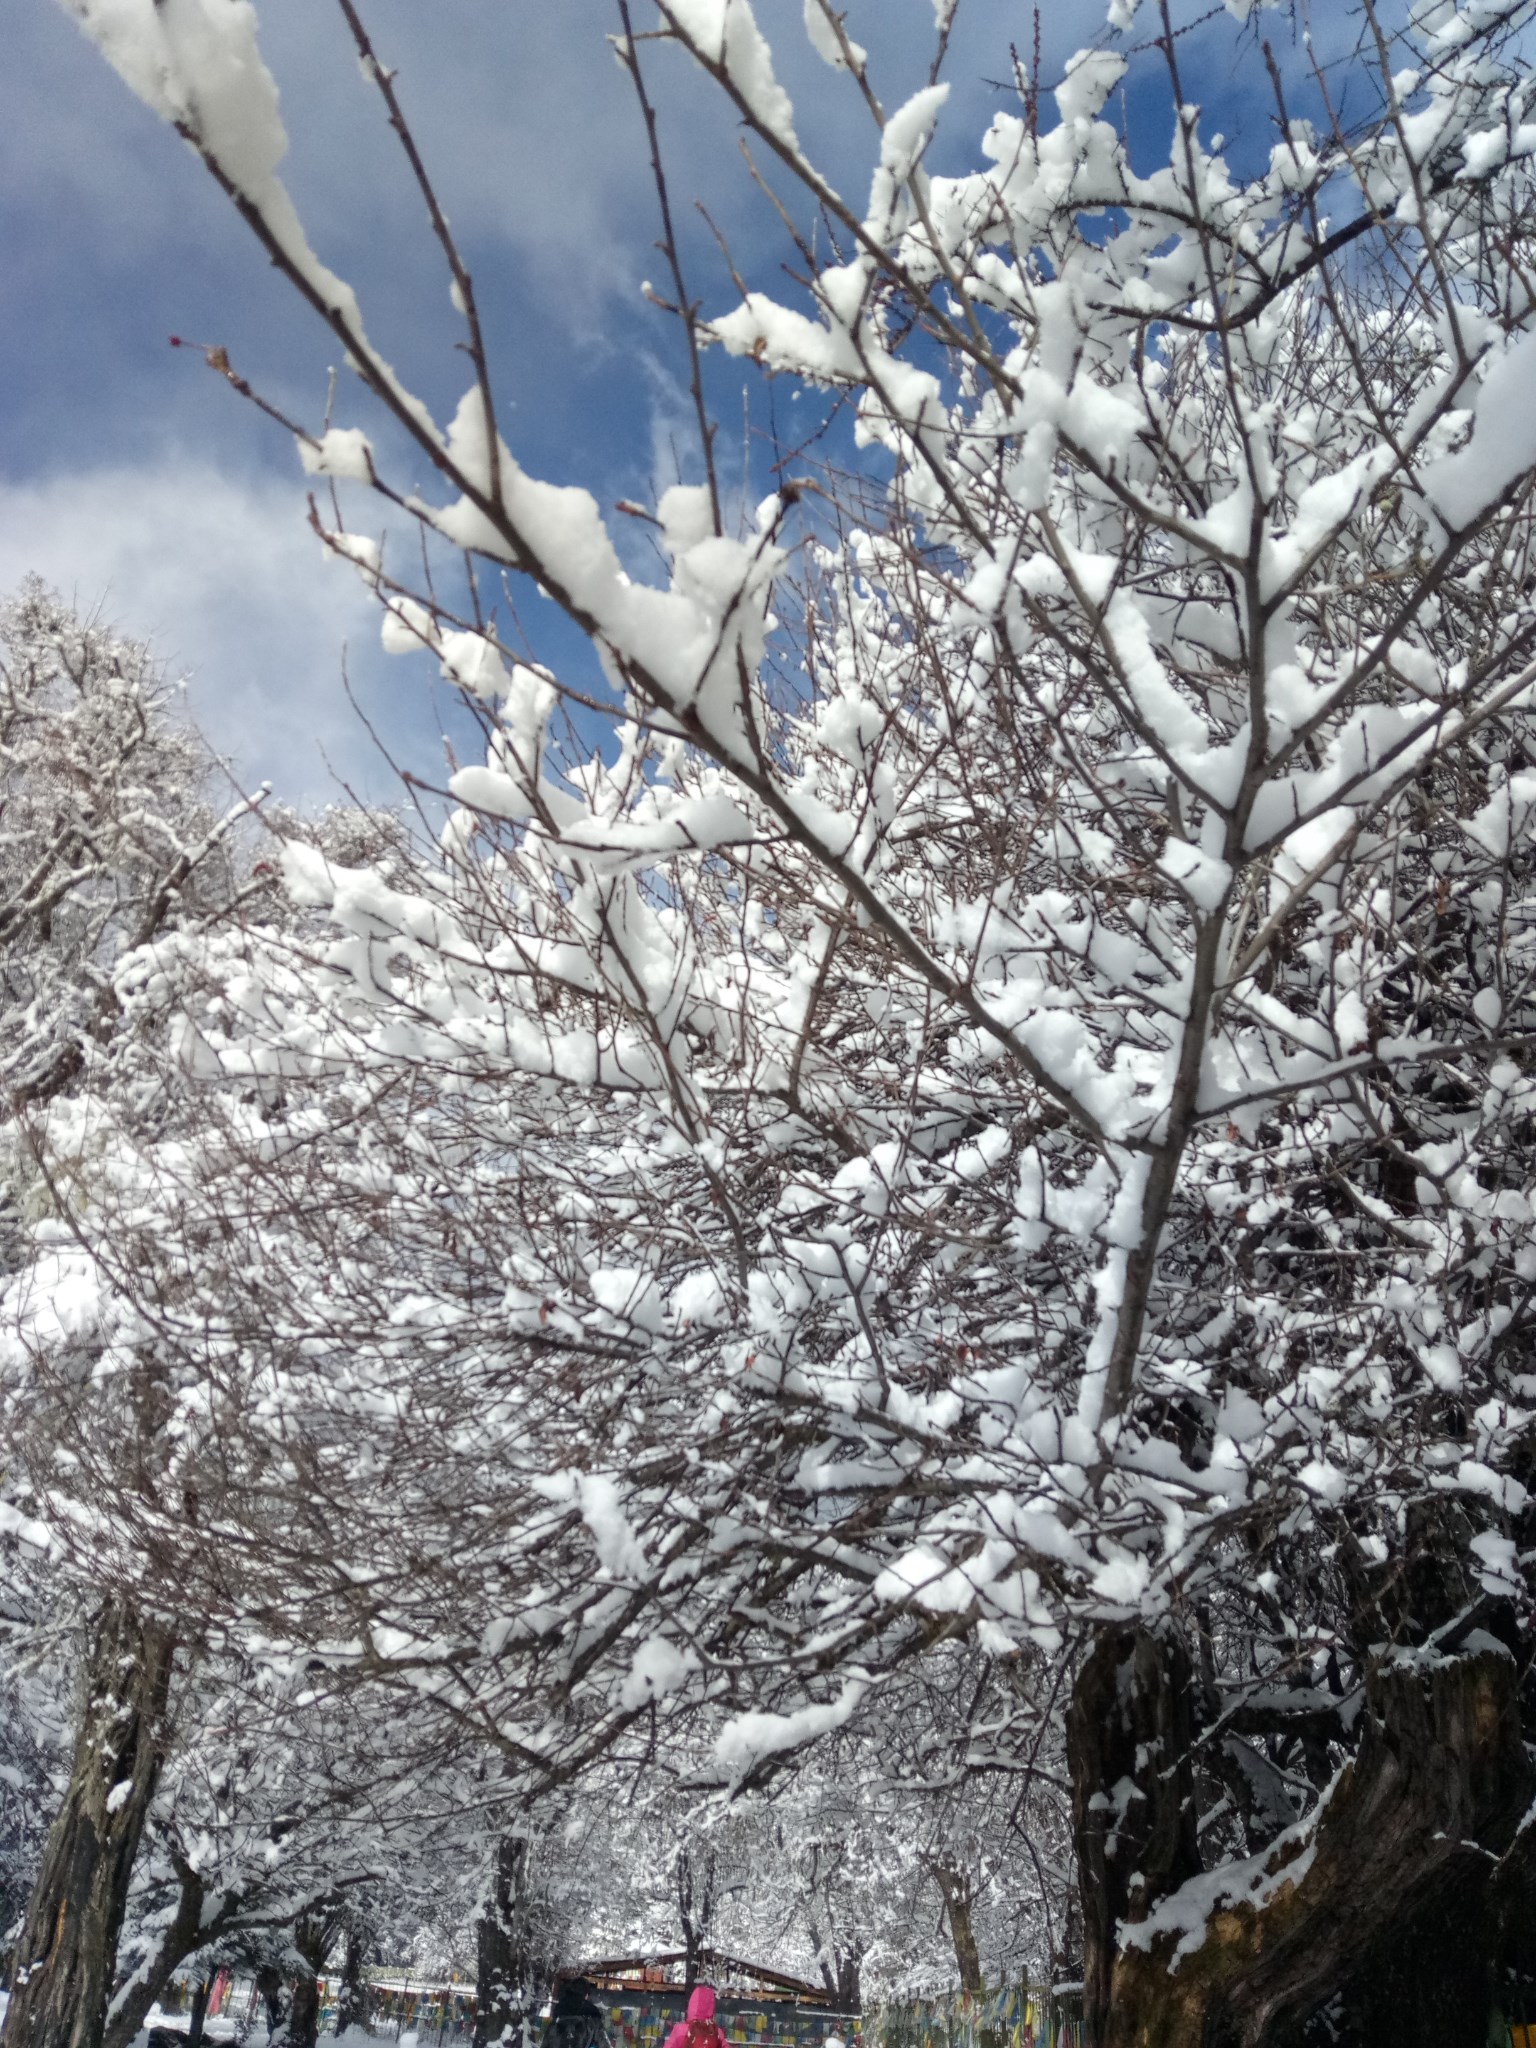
x: 701, y: 2006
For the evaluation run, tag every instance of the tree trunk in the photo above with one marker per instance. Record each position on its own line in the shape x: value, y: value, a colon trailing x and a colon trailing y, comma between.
x: 956, y: 1890
x: 695, y: 1876
x: 352, y: 2002
x: 1380, y: 1918
x: 199, y: 2012
x: 1432, y: 1979
x: 273, y: 1993
x: 304, y: 2013
x: 67, y: 1950
x: 314, y: 1936
x: 181, y: 1936
x: 1129, y: 1726
x: 850, y: 1981
x: 503, y: 1965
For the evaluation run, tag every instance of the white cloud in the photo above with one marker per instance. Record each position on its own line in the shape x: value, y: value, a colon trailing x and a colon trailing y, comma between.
x: 222, y: 576
x: 541, y: 161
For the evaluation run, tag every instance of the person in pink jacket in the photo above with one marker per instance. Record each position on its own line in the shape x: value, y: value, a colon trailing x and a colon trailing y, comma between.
x: 699, y: 2029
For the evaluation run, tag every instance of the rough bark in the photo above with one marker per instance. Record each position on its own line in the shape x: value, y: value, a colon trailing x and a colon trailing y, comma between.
x: 314, y: 1936
x: 843, y: 1975
x: 352, y: 2001
x: 503, y: 1966
x: 67, y: 1950
x: 1130, y: 1737
x: 303, y: 2030
x: 1390, y: 1891
x: 850, y: 1982
x: 1432, y: 1979
x: 956, y: 1891
x: 695, y: 1875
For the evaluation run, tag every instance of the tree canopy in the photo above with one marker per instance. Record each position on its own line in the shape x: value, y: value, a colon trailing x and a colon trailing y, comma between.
x: 931, y: 1158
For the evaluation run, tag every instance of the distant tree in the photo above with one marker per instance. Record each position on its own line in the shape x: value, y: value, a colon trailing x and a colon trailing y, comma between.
x: 107, y: 833
x: 281, y: 1817
x: 205, y: 1796
x: 107, y: 840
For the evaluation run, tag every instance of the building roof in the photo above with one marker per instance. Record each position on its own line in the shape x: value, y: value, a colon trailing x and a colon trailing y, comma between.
x: 775, y: 1983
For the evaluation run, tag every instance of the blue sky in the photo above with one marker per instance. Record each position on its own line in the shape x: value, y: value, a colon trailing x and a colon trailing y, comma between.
x: 132, y: 478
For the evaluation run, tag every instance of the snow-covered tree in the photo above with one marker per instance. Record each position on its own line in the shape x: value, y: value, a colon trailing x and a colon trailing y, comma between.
x: 106, y: 833
x: 283, y: 1815
x: 199, y: 1795
x: 108, y: 838
x: 996, y: 1100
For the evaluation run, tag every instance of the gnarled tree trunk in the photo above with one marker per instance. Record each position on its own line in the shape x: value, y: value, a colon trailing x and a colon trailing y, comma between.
x: 314, y: 1936
x: 67, y: 1950
x: 303, y: 2029
x: 1130, y: 1737
x: 352, y: 2002
x: 504, y: 1967
x: 1382, y: 1917
x: 695, y: 1874
x: 958, y: 1894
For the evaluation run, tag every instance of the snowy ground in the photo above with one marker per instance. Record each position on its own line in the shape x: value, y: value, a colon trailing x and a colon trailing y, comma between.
x: 226, y: 2028
x: 222, y: 2027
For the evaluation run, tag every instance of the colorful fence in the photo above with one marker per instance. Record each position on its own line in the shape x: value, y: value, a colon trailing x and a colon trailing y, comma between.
x: 1017, y: 2016
x: 435, y: 2013
x: 440, y: 2013
x: 745, y: 2025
